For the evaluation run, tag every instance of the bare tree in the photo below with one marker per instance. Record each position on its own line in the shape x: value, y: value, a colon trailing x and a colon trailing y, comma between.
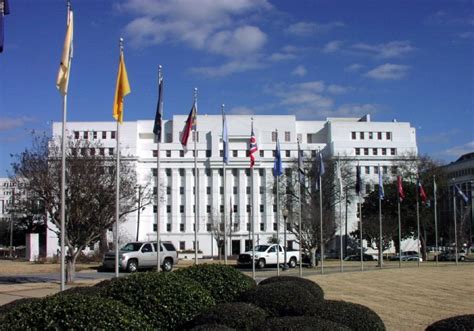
x: 217, y: 229
x: 90, y: 189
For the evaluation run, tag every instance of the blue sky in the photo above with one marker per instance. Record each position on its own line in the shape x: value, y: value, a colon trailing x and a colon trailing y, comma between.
x: 409, y: 60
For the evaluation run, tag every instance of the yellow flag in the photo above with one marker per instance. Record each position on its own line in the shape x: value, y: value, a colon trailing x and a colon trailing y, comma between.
x: 62, y: 81
x: 122, y: 88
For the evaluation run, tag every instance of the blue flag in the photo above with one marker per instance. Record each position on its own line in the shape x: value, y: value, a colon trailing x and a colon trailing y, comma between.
x: 381, y: 192
x: 278, y: 166
x: 461, y: 193
x: 300, y: 164
x: 320, y: 169
x: 158, y: 127
x: 4, y: 10
x: 225, y: 138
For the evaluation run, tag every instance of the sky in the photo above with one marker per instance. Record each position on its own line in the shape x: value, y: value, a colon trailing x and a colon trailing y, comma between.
x: 412, y: 61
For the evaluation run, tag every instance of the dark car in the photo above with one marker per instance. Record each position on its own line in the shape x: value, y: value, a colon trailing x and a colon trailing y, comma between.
x: 366, y: 257
x: 451, y: 256
x: 407, y: 256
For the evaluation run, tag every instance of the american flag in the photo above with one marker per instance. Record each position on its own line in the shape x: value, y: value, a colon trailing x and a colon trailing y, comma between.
x: 252, y: 148
x: 421, y: 192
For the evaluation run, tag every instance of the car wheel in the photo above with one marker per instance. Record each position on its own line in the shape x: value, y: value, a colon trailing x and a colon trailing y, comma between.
x: 462, y: 258
x: 261, y: 263
x: 132, y: 266
x: 292, y: 263
x: 167, y: 265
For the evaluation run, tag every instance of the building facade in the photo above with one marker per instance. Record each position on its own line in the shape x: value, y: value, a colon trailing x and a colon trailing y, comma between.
x: 366, y: 143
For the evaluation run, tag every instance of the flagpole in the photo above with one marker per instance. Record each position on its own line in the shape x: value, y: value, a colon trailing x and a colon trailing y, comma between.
x: 418, y: 221
x: 361, y: 238
x: 380, y: 220
x: 340, y: 216
x: 158, y: 165
x: 252, y: 227
x: 196, y: 211
x: 435, y: 218
x: 300, y: 248
x: 321, y: 222
x: 399, y: 234
x: 277, y: 175
x: 455, y: 227
x: 225, y: 196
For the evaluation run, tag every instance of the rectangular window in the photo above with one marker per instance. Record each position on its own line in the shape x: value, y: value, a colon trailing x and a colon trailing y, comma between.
x: 384, y: 151
x: 367, y: 170
x: 274, y: 136
x: 287, y: 153
x: 260, y: 172
x: 153, y: 171
x: 248, y: 228
x: 367, y: 188
x: 393, y: 151
x: 168, y: 153
x: 111, y: 151
x: 181, y: 153
x: 361, y: 135
x: 379, y: 135
x: 181, y: 209
x: 208, y: 208
x: 247, y: 172
x: 247, y: 189
x: 394, y: 170
x: 181, y: 227
x: 73, y: 153
x: 168, y: 172
x: 261, y: 153
x: 112, y: 134
x: 155, y: 153
x: 221, y: 153
x: 357, y: 151
x: 208, y: 190
x: 102, y: 151
x: 221, y: 190
x: 388, y: 135
x: 220, y: 172
x: 168, y: 227
x: 262, y: 226
x: 235, y: 208
x: 274, y: 208
x: 376, y: 170
x: 235, y: 153
x: 287, y: 136
x: 262, y: 189
x: 181, y: 190
x: 248, y: 208
x: 94, y: 134
x: 208, y: 153
x: 155, y: 208
x: 221, y: 208
x: 309, y: 137
x: 366, y: 151
x: 182, y: 244
x: 86, y: 135
x: 234, y: 189
x: 104, y: 134
x: 262, y: 208
x: 374, y: 151
x: 168, y: 209
x: 181, y: 172
x: 371, y: 135
x: 169, y: 138
x: 385, y: 169
x: 76, y: 134
x: 92, y: 151
x: 353, y: 135
x: 275, y: 226
x: 154, y: 230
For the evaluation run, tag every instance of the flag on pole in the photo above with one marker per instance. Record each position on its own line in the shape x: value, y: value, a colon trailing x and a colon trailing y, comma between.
x: 278, y: 165
x: 381, y: 192
x: 4, y: 10
x: 252, y: 148
x: 190, y: 124
x: 300, y: 164
x: 122, y: 88
x: 401, y: 193
x: 158, y: 126
x: 320, y: 170
x: 421, y: 191
x: 358, y: 186
x: 461, y: 193
x: 62, y: 80
x: 225, y: 138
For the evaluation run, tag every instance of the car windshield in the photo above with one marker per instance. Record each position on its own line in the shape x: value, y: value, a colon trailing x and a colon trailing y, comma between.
x: 131, y: 247
x: 261, y: 248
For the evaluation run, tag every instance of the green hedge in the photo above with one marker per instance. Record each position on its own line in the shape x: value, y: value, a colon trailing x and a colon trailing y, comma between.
x: 169, y: 299
x: 352, y: 315
x: 77, y: 312
x: 14, y: 304
x: 225, y: 283
x: 212, y: 327
x: 307, y: 284
x: 84, y: 290
x: 459, y: 323
x: 300, y: 323
x: 282, y: 299
x: 238, y: 315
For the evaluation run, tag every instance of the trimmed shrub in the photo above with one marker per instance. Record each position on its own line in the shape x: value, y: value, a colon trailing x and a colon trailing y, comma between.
x: 106, y: 282
x: 14, y: 304
x: 352, y: 315
x: 76, y: 312
x: 212, y: 327
x: 282, y: 299
x: 238, y: 315
x: 458, y: 323
x: 168, y: 299
x: 299, y: 323
x: 225, y: 283
x: 83, y: 290
x: 307, y: 284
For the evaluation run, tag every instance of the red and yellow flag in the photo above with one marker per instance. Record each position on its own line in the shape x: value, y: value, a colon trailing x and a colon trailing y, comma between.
x: 122, y: 88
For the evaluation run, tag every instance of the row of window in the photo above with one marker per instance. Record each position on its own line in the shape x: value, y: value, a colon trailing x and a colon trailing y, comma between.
x: 220, y: 171
x: 461, y: 173
x: 208, y: 190
x: 235, y: 153
x: 92, y: 151
x: 182, y: 228
x: 209, y: 209
x: 375, y: 151
x: 375, y: 169
x: 362, y: 135
x: 94, y: 134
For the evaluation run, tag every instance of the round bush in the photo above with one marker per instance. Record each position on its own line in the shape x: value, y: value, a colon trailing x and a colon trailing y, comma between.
x: 212, y: 327
x: 298, y: 323
x: 84, y: 290
x: 350, y: 314
x: 282, y: 299
x: 14, y: 304
x: 76, y: 312
x: 459, y: 323
x: 238, y: 315
x: 168, y: 299
x: 106, y: 282
x: 225, y: 283
x: 307, y: 284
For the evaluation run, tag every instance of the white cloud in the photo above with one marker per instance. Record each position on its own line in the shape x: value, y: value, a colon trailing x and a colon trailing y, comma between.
x: 10, y: 123
x: 228, y: 68
x: 332, y: 46
x: 459, y: 150
x: 337, y: 89
x: 303, y: 29
x: 354, y: 67
x: 299, y: 71
x: 388, y: 71
x: 206, y: 25
x: 387, y: 50
x: 241, y: 110
x: 288, y: 52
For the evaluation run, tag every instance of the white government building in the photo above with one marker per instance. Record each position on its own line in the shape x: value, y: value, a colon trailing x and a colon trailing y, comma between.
x: 369, y: 143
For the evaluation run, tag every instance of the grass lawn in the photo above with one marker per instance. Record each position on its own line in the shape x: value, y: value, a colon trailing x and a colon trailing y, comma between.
x: 409, y: 298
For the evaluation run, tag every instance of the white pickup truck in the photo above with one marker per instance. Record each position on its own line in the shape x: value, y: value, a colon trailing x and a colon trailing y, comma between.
x: 267, y: 254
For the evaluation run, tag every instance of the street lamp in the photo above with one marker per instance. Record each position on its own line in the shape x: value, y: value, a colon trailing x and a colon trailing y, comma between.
x: 285, y: 216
